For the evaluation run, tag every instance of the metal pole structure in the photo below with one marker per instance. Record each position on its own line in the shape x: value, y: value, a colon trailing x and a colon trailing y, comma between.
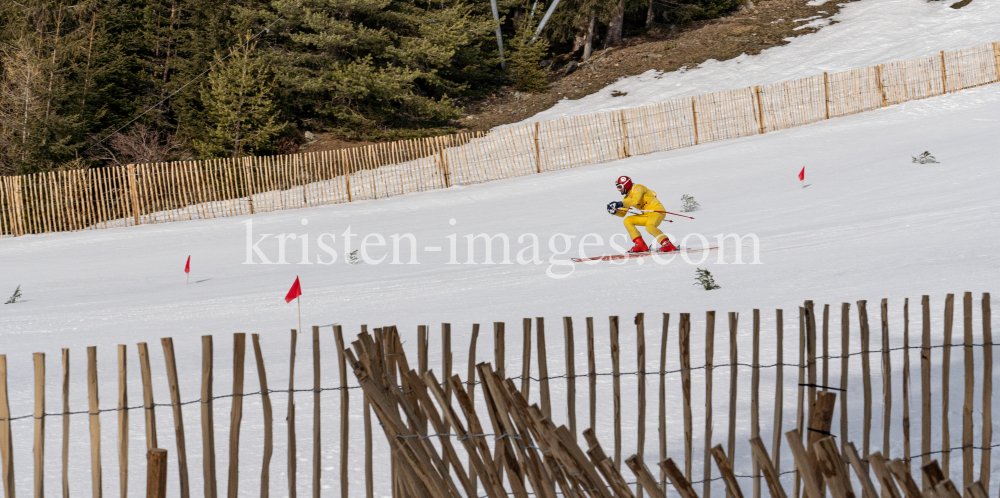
x: 496, y: 17
x: 545, y: 19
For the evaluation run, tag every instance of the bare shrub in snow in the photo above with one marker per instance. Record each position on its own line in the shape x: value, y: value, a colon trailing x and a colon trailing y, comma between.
x: 705, y: 279
x: 925, y: 158
x: 688, y: 204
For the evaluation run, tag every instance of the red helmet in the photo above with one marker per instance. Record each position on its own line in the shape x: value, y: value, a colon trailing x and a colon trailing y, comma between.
x: 624, y: 185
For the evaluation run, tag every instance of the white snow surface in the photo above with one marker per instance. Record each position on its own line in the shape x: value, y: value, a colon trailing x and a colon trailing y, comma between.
x: 869, y: 224
x: 863, y: 34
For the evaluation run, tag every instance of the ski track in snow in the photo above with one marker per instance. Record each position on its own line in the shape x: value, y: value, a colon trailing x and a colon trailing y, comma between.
x: 869, y: 224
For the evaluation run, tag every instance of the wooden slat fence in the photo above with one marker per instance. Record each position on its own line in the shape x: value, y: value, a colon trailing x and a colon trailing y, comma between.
x: 186, y: 190
x: 813, y: 411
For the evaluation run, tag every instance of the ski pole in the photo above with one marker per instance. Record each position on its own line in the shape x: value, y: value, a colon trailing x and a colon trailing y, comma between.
x: 648, y: 211
x: 666, y: 212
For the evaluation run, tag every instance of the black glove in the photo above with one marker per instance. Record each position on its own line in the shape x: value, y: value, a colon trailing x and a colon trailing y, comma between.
x: 614, y: 206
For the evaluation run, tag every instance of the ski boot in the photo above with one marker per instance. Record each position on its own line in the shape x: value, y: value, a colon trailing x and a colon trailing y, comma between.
x: 666, y: 246
x: 640, y: 245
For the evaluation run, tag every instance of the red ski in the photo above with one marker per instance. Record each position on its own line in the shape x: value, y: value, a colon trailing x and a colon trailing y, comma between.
x: 632, y: 255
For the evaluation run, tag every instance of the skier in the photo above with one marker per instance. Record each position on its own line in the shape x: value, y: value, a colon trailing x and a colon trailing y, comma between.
x: 641, y: 199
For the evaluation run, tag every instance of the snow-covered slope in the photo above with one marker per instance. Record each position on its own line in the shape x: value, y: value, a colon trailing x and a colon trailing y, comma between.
x: 866, y: 211
x: 868, y: 224
x: 863, y: 34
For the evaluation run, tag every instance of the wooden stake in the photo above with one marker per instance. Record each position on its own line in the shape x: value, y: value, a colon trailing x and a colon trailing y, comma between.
x: 526, y: 358
x: 626, y: 152
x: 684, y: 341
x: 733, y: 370
x: 996, y: 69
x: 906, y: 381
x: 830, y: 464
x: 987, y: 406
x: 866, y: 377
x: 826, y: 345
x: 802, y: 464
x: 925, y: 387
x: 265, y: 470
x: 156, y: 473
x: 208, y: 417
x: 949, y: 313
x: 706, y: 491
x: 446, y: 366
x: 133, y: 194
x: 473, y: 471
x: 65, y: 421
x: 760, y: 111
x: 867, y: 487
x: 779, y: 402
x: 826, y: 93
x: 317, y: 455
x: 726, y: 469
x: 944, y: 89
x: 967, y: 462
x: 543, y: 369
x: 902, y: 475
x: 886, y: 380
x: 122, y: 422
x: 644, y: 476
x: 681, y: 484
x: 883, y: 102
x: 592, y: 373
x: 800, y: 406
x: 932, y: 475
x: 810, y: 318
x: 947, y: 489
x: 236, y: 418
x: 640, y: 342
x: 571, y: 380
x: 978, y: 490
x: 422, y: 345
x: 617, y: 386
x: 39, y: 449
x: 770, y: 472
x: 663, y: 398
x: 499, y: 346
x: 755, y: 397
x: 538, y: 153
x: 148, y: 405
x: 95, y: 423
x: 694, y: 117
x: 175, y: 401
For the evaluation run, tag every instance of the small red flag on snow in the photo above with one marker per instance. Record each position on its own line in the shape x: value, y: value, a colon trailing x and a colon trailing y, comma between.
x: 294, y: 292
x: 187, y: 267
x: 802, y: 174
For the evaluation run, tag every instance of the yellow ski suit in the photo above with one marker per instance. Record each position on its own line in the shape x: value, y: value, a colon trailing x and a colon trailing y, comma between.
x: 641, y: 197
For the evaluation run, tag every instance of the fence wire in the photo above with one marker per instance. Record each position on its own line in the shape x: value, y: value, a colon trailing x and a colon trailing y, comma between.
x: 643, y: 373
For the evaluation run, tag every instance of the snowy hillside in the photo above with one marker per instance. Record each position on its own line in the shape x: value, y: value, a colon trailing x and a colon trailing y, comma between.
x: 868, y: 224
x: 863, y: 34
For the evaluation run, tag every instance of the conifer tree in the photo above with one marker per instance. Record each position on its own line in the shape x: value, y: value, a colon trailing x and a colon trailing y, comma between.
x: 370, y: 67
x: 524, y: 62
x: 241, y: 113
x: 35, y: 132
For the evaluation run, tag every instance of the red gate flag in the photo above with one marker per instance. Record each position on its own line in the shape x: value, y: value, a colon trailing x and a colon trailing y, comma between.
x: 187, y: 267
x: 802, y: 174
x: 294, y: 292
